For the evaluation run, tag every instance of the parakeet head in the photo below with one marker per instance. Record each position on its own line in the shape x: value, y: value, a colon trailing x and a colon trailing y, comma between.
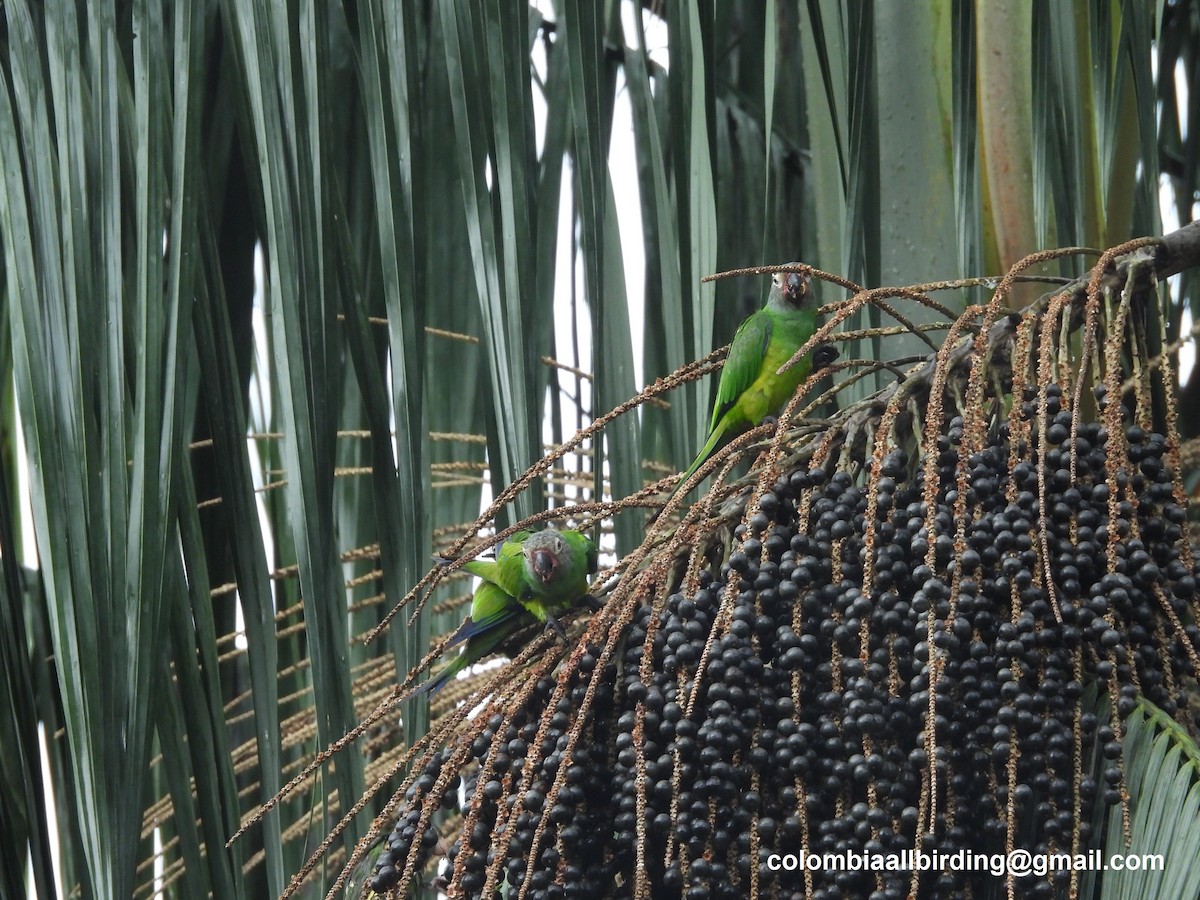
x: 544, y: 554
x: 789, y: 290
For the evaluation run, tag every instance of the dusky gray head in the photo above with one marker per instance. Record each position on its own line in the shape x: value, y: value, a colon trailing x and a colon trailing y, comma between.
x: 545, y: 555
x: 789, y: 290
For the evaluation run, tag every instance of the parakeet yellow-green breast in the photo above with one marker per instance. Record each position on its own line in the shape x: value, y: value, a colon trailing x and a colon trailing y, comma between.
x: 750, y: 390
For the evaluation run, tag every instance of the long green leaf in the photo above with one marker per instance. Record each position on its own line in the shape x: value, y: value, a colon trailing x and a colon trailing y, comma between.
x: 1162, y: 772
x: 666, y: 343
x: 24, y: 827
x: 228, y: 420
x: 287, y: 110
x: 401, y: 484
x: 473, y: 95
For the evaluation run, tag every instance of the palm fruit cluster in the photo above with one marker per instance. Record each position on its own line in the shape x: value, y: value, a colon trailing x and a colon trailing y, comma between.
x: 775, y: 706
x: 916, y: 625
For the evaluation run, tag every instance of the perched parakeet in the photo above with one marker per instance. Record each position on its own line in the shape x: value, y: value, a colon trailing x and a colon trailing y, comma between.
x: 545, y: 571
x: 750, y: 390
x: 533, y: 577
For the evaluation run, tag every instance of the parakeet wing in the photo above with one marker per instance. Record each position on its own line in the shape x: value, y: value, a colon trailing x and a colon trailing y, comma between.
x: 505, y: 570
x: 487, y: 569
x: 495, y: 618
x: 743, y: 364
x: 491, y: 607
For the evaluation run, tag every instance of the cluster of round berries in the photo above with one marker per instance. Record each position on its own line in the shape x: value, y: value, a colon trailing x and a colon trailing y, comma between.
x: 785, y: 703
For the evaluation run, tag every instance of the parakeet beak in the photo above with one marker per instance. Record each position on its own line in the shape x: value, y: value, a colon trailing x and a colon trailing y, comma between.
x: 796, y: 286
x: 545, y: 564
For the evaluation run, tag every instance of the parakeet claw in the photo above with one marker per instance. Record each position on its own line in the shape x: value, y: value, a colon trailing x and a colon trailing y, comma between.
x: 556, y: 626
x: 442, y: 561
x: 824, y: 356
x: 770, y: 420
x: 590, y: 602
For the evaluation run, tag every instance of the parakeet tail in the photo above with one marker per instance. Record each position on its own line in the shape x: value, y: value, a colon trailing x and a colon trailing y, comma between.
x: 701, y: 458
x: 439, y: 681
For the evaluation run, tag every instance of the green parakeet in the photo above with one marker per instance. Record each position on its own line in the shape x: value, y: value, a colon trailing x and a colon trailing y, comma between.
x: 750, y: 390
x: 533, y: 577
x: 544, y: 571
